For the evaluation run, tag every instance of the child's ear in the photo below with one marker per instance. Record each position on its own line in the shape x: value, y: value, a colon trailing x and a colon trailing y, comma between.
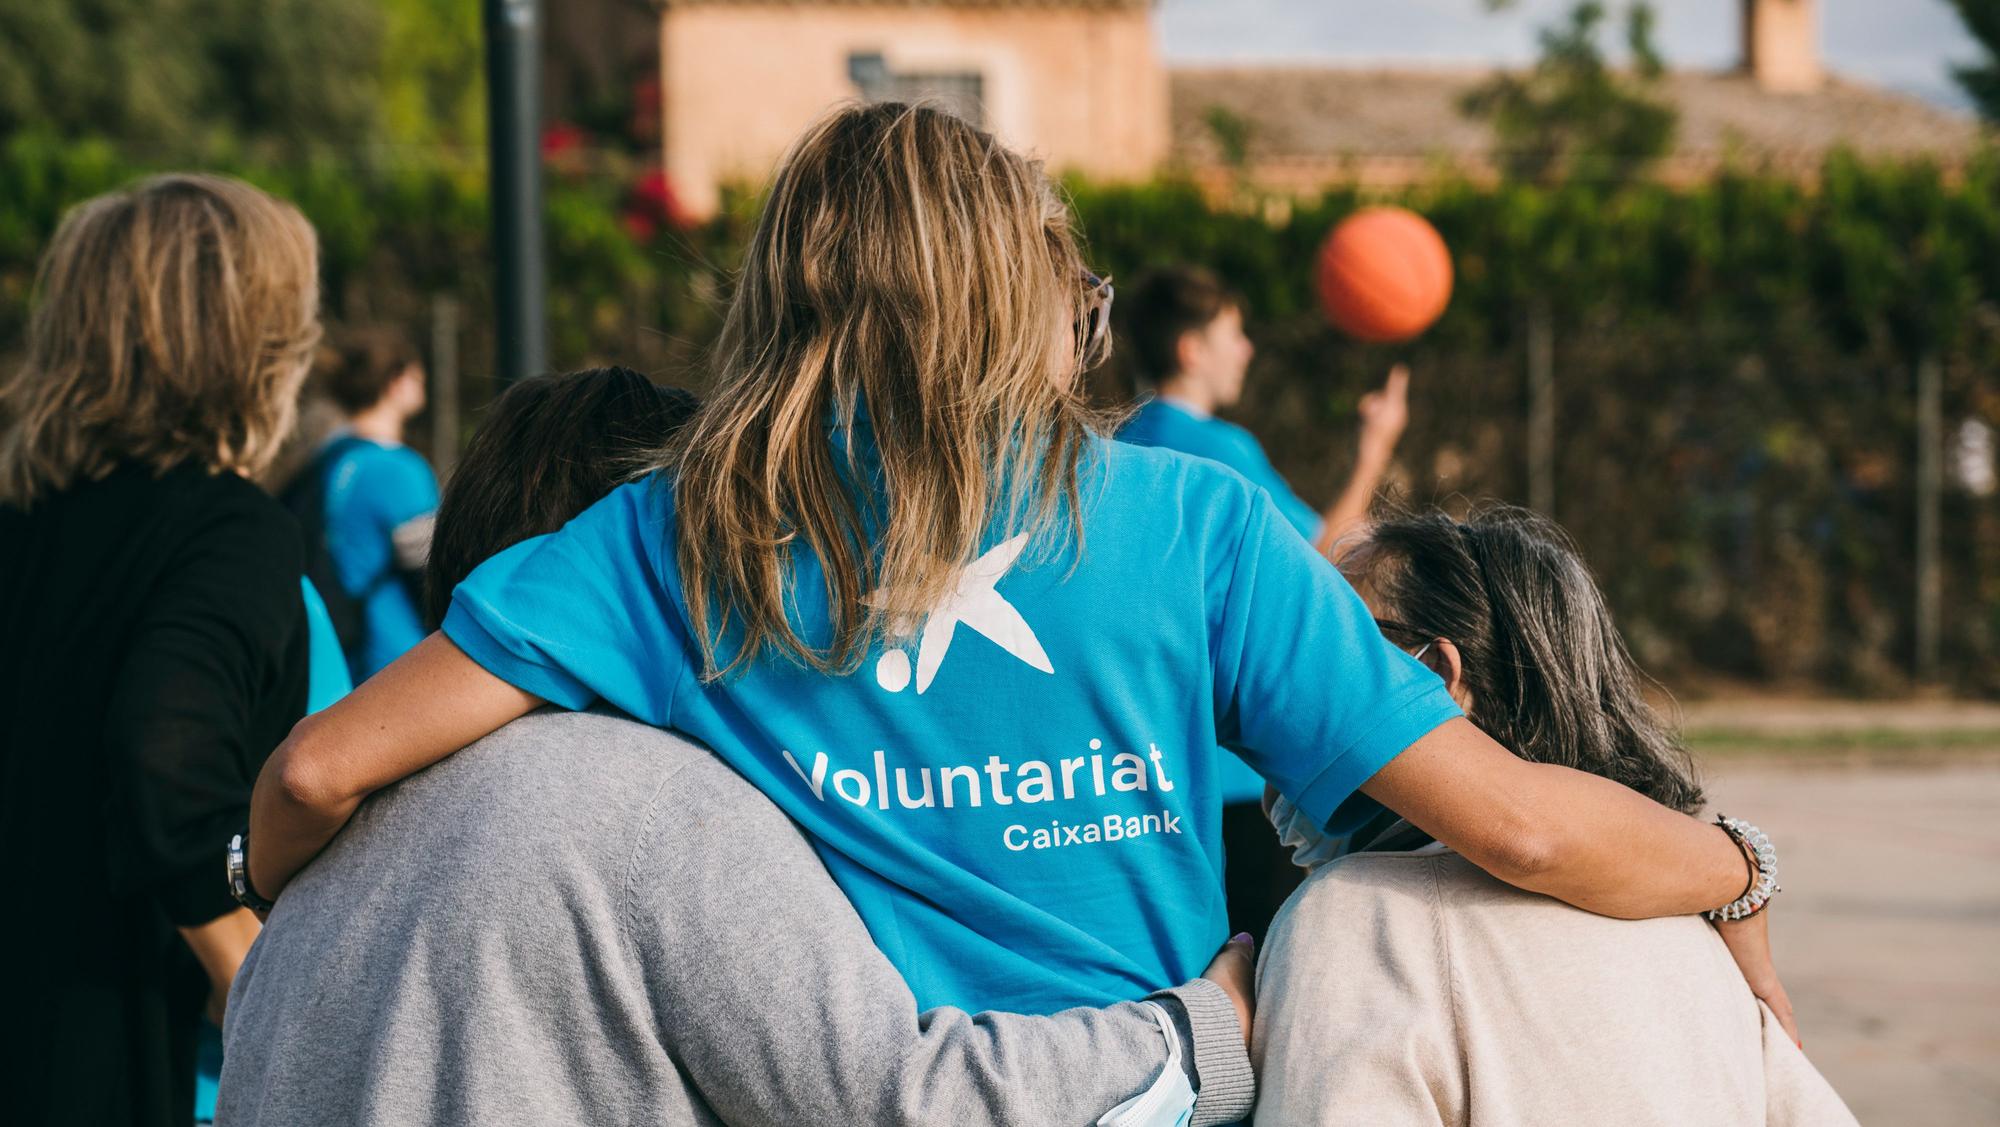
x: 1445, y: 660
x: 1188, y: 349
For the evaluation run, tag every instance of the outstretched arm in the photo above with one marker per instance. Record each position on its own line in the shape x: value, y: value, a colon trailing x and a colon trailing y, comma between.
x: 427, y: 704
x: 1582, y: 839
x: 1384, y: 414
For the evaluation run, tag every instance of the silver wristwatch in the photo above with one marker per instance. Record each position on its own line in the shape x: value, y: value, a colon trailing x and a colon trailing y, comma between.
x: 236, y: 866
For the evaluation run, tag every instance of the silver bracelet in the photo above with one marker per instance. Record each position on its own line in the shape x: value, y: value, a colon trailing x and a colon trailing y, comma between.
x: 1764, y: 885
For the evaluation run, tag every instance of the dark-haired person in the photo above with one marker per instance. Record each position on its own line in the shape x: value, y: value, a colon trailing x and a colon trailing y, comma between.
x: 1186, y: 329
x: 153, y: 642
x: 583, y: 919
x: 374, y: 498
x: 546, y: 449
x: 1402, y: 985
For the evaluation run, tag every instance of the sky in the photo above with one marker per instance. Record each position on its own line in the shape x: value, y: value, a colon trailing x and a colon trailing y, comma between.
x: 1907, y: 45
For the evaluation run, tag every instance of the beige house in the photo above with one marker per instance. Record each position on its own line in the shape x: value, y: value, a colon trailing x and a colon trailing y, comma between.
x: 1077, y: 82
x: 1081, y: 84
x: 1386, y: 126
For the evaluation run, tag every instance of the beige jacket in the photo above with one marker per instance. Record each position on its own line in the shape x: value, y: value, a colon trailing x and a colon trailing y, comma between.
x: 1411, y: 988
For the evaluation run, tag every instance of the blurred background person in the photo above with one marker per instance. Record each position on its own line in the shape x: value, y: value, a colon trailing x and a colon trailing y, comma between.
x: 1192, y: 355
x: 156, y: 639
x: 366, y: 501
x: 1186, y: 331
x: 1401, y: 985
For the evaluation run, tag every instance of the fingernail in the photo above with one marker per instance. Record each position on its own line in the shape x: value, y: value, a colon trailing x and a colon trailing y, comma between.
x: 1240, y: 937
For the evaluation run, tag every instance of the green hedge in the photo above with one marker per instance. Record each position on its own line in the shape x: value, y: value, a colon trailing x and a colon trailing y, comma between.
x: 1735, y: 390
x: 1734, y: 361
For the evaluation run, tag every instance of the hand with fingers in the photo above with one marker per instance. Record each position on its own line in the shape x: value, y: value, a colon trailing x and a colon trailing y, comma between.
x: 1749, y: 943
x: 1384, y: 413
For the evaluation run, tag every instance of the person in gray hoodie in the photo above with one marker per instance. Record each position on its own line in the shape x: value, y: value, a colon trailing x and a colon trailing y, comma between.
x: 583, y: 919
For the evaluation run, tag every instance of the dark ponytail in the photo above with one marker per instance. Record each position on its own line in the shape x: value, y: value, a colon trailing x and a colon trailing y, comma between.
x: 1549, y: 676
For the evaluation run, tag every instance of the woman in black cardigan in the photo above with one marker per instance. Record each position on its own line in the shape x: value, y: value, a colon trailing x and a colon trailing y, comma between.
x: 152, y: 634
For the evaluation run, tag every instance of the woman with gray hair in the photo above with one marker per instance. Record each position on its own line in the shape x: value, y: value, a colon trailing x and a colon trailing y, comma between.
x: 1403, y: 985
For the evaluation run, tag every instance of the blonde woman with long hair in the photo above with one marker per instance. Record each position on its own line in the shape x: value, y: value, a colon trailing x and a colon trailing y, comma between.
x: 990, y: 660
x: 154, y: 633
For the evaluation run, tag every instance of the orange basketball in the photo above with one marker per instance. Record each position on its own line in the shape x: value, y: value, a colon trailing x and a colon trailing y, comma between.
x: 1384, y: 275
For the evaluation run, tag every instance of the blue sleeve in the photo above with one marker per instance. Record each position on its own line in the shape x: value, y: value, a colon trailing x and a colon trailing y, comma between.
x: 396, y: 487
x: 370, y: 492
x: 581, y: 614
x: 1248, y: 458
x: 1308, y: 691
x: 328, y: 678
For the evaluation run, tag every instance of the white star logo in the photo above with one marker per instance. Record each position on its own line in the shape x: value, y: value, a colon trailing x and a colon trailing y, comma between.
x: 975, y: 603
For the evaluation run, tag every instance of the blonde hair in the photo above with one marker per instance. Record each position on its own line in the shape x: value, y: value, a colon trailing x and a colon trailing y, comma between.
x: 175, y: 322
x: 908, y: 266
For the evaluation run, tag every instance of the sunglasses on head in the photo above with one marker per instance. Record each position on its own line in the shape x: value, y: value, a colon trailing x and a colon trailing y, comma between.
x: 1390, y: 628
x: 1093, y: 332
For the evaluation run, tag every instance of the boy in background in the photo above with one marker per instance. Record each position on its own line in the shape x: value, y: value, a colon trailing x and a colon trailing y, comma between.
x: 1185, y: 330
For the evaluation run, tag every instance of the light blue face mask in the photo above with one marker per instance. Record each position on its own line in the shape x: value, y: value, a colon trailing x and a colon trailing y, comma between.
x: 1170, y: 1100
x: 1310, y: 845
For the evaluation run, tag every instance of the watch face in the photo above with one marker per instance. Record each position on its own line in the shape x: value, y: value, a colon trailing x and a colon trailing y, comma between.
x: 237, y: 869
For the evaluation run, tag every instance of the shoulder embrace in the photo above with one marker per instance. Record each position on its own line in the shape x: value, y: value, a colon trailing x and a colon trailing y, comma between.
x: 620, y: 750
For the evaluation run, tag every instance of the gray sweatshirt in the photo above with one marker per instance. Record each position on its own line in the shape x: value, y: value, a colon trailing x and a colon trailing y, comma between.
x: 584, y: 920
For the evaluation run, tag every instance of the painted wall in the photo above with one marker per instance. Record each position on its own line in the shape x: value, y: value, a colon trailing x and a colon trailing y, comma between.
x: 1083, y: 90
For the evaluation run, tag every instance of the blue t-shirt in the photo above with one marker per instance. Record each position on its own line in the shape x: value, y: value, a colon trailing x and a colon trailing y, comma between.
x: 327, y: 675
x: 371, y: 491
x: 1021, y: 799
x: 1166, y: 425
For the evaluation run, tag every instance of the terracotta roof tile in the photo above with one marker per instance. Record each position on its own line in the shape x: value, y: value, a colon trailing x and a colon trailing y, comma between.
x: 1326, y: 112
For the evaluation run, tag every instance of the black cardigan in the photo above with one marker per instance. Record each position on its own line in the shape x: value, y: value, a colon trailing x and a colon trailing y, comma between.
x: 152, y: 654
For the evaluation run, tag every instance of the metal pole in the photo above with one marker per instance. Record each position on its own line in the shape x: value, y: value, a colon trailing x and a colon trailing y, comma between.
x: 513, y: 32
x: 444, y: 384
x: 1541, y: 409
x: 1930, y: 487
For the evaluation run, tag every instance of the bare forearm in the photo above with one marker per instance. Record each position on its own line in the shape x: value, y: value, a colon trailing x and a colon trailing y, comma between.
x: 426, y: 705
x: 289, y: 824
x: 1351, y: 508
x: 1618, y: 853
x: 1579, y: 838
x: 220, y: 944
x: 1384, y: 413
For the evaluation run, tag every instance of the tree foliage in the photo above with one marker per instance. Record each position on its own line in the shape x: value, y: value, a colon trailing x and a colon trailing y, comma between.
x: 182, y: 75
x: 1573, y: 113
x: 1981, y: 80
x: 193, y: 79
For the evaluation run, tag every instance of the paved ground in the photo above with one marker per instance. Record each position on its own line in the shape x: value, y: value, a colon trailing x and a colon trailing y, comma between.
x: 1793, y: 716
x: 1888, y: 934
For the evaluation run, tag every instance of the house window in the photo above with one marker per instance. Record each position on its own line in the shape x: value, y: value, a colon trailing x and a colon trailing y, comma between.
x: 959, y: 91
